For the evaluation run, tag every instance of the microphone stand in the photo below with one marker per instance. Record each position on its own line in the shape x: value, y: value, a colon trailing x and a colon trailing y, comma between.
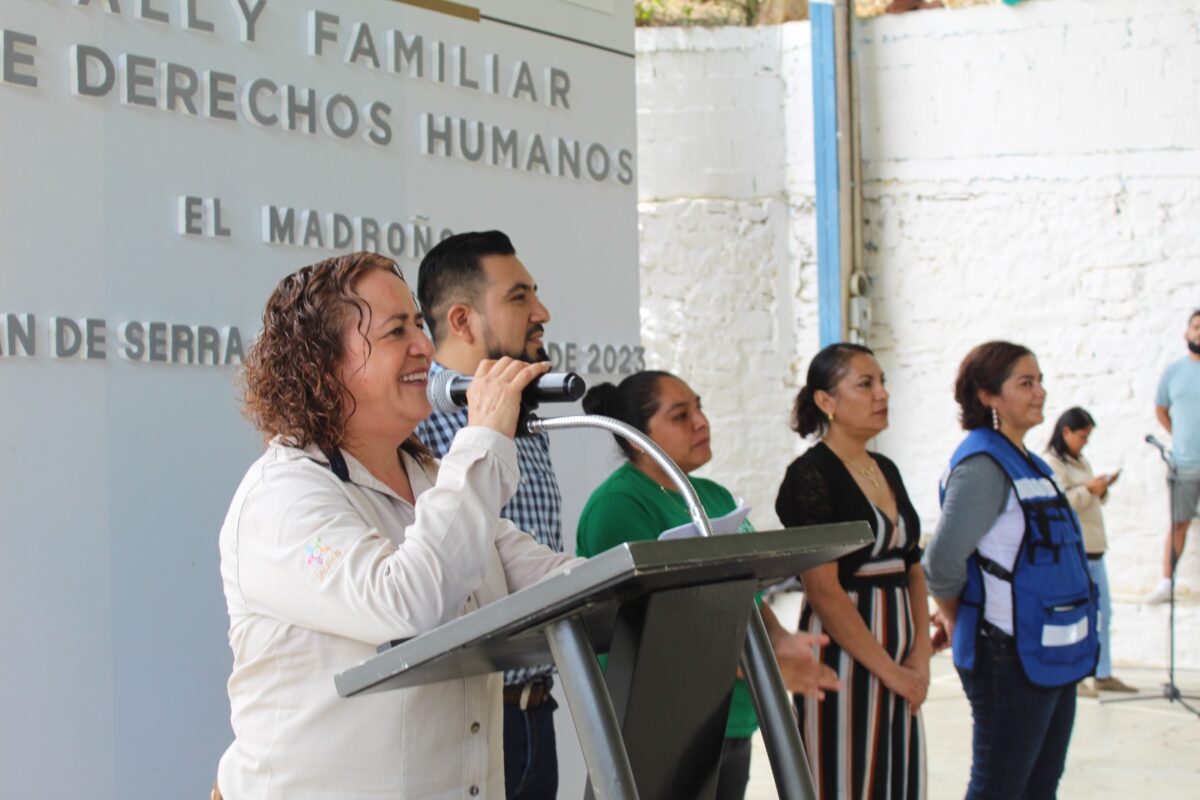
x: 1170, y: 692
x: 780, y: 732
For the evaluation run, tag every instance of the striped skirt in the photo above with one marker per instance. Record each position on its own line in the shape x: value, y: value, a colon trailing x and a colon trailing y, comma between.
x: 862, y: 743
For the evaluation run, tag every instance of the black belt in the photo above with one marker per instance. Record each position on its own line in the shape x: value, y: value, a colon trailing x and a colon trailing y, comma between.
x: 989, y: 631
x: 1095, y: 556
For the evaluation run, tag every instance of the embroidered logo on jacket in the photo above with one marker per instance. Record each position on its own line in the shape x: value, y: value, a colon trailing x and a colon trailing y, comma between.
x: 321, y: 558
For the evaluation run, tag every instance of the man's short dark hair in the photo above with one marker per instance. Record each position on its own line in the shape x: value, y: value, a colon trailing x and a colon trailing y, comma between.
x: 1195, y: 314
x: 451, y: 272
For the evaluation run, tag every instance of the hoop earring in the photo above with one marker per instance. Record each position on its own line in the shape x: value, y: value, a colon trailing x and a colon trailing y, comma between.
x: 995, y: 419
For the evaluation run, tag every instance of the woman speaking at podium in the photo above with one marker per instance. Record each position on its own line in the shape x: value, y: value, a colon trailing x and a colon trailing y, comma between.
x: 347, y: 533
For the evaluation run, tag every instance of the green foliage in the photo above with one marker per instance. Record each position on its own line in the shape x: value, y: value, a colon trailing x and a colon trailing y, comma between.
x: 646, y: 11
x: 696, y: 12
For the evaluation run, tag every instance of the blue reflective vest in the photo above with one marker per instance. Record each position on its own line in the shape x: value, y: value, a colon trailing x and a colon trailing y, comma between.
x: 1054, y: 601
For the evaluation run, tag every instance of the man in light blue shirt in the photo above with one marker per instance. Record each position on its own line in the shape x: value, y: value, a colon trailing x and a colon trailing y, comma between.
x: 1177, y: 405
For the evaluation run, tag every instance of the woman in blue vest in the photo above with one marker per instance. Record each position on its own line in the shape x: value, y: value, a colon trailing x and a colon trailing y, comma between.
x: 1008, y: 571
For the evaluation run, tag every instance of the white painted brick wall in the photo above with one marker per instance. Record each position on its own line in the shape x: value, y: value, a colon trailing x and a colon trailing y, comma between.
x: 728, y: 238
x: 1030, y: 173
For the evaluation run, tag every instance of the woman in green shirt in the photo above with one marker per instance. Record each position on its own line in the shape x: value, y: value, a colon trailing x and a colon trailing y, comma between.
x: 638, y: 502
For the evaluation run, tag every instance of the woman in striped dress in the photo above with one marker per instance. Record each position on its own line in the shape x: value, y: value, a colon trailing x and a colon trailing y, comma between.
x: 867, y: 741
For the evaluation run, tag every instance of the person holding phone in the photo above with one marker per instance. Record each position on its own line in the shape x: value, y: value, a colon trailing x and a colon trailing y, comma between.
x: 1087, y: 492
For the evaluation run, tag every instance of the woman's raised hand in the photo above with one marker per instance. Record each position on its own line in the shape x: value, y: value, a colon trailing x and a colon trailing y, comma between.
x: 494, y: 396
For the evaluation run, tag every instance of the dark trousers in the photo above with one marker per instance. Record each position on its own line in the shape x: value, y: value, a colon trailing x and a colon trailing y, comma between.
x: 530, y: 756
x: 1021, y: 731
x: 734, y: 772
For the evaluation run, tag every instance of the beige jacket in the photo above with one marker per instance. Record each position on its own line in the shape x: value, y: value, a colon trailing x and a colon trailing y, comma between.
x: 1071, y: 475
x: 317, y: 572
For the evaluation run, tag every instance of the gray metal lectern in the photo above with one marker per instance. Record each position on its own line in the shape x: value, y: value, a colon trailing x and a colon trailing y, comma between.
x: 671, y: 615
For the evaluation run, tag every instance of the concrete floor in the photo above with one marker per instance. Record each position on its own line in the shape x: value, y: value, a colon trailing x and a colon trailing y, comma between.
x: 1148, y: 749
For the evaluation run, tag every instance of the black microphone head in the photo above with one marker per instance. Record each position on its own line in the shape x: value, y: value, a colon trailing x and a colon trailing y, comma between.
x: 1152, y: 440
x: 574, y: 386
x: 438, y: 391
x: 555, y: 387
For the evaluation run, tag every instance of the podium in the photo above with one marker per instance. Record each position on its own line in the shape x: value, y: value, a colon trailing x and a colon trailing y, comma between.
x: 673, y: 618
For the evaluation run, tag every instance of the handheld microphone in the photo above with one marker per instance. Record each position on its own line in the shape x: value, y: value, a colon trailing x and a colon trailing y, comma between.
x: 447, y: 390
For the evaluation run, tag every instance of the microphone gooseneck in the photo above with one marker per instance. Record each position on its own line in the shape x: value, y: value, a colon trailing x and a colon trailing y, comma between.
x: 648, y: 445
x: 1152, y: 440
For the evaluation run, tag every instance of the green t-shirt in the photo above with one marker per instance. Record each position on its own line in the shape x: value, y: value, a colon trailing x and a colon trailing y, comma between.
x: 630, y: 507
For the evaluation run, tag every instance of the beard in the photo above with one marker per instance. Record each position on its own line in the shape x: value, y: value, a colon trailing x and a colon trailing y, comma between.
x: 1194, y: 347
x: 495, y: 351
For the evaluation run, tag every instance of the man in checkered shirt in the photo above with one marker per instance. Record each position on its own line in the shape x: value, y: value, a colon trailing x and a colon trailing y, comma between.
x: 480, y: 302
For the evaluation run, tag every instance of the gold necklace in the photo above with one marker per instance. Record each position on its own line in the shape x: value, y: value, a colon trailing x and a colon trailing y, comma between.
x: 870, y: 474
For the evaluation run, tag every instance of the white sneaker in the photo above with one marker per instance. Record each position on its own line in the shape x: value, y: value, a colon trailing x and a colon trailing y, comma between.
x: 1160, y: 594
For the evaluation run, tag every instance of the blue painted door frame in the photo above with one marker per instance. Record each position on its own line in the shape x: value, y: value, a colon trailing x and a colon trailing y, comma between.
x: 831, y: 314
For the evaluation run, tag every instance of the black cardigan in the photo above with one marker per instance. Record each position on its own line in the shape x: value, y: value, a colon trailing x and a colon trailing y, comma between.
x: 818, y: 489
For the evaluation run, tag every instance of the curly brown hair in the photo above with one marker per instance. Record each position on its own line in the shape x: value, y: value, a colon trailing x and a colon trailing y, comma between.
x: 291, y: 373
